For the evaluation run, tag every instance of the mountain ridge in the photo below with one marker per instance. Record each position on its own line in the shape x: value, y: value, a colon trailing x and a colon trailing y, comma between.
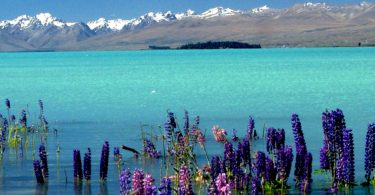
x: 297, y: 26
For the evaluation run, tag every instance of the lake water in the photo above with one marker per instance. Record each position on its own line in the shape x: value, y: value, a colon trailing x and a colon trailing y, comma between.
x: 91, y: 97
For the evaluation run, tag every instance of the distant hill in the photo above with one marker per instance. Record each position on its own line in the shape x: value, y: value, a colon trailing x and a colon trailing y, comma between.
x: 302, y: 25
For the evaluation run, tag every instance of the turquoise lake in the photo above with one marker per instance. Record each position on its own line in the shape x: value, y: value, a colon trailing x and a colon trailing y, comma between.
x: 91, y: 97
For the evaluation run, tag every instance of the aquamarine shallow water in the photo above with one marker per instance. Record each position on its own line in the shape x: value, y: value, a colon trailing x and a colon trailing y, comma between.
x: 91, y: 97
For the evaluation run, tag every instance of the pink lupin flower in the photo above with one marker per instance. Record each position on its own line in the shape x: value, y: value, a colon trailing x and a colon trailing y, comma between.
x: 199, y: 137
x: 147, y: 184
x: 137, y: 182
x: 219, y: 134
x: 221, y: 184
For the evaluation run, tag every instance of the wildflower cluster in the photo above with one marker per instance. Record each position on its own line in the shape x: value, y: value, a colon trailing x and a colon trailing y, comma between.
x: 337, y: 153
x: 150, y: 150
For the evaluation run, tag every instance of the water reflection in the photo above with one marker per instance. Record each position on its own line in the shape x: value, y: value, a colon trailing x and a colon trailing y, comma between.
x: 103, y: 189
x: 77, y: 188
x: 41, y: 189
x: 87, y: 189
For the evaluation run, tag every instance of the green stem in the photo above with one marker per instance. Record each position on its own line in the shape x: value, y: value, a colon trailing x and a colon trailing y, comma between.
x: 205, y: 153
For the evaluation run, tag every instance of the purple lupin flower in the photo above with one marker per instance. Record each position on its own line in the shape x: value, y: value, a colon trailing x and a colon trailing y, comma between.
x: 337, y: 134
x: 148, y: 186
x: 23, y: 119
x: 137, y: 182
x: 270, y: 173
x: 172, y: 120
x: 4, y: 130
x: 186, y: 123
x: 38, y: 172
x: 104, y: 161
x: 116, y: 153
x: 246, y: 182
x: 7, y: 103
x: 328, y: 141
x: 13, y: 119
x: 235, y: 138
x: 250, y: 128
x: 239, y: 155
x: 169, y: 127
x: 229, y: 157
x: 271, y: 139
x: 87, y: 165
x: 348, y: 157
x: 239, y: 178
x: 215, y: 167
x: 284, y: 159
x: 184, y: 185
x: 305, y: 184
x: 43, y: 161
x: 255, y: 186
x: 338, y: 143
x: 150, y: 150
x: 260, y: 164
x: 125, y: 182
x: 369, y: 151
x: 44, y: 123
x: 165, y: 187
x: 246, y: 157
x: 77, y: 165
x: 301, y: 149
x: 168, y: 132
x: 280, y: 138
x: 196, y: 123
x: 221, y: 185
x: 41, y: 107
x: 324, y: 159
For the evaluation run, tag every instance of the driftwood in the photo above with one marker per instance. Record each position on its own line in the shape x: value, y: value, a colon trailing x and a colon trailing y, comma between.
x: 130, y: 149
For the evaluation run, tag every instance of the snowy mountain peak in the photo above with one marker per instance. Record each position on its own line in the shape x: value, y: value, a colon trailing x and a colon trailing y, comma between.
x: 186, y: 14
x: 22, y: 21
x: 219, y: 11
x: 260, y: 9
x: 42, y: 19
x: 315, y: 5
x: 103, y: 24
x: 364, y: 4
x: 46, y: 19
x: 158, y: 16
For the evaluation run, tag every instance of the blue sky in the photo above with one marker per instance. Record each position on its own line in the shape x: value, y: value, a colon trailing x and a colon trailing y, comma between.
x: 85, y: 10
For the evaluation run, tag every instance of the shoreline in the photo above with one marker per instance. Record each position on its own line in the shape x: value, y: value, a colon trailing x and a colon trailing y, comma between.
x: 175, y: 49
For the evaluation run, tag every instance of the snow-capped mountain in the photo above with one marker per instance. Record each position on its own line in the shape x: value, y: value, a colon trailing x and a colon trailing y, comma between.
x: 218, y: 11
x: 150, y: 18
x: 310, y: 7
x: 103, y: 25
x: 260, y: 10
x: 40, y: 20
x: 189, y: 13
x: 46, y: 32
x: 107, y: 25
x: 42, y: 31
